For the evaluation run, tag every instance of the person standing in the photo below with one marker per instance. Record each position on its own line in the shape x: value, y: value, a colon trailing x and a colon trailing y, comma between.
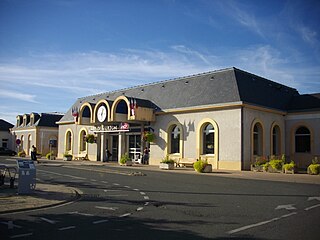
x: 145, y: 158
x: 34, y: 154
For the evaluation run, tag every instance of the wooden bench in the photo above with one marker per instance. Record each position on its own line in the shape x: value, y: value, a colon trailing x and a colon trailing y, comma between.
x: 185, y: 162
x: 81, y: 156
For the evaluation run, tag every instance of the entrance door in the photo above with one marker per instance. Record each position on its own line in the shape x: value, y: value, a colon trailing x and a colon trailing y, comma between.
x: 115, y: 144
x: 135, y: 147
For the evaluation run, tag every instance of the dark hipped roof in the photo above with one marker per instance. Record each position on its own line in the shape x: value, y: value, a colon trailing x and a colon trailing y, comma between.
x: 48, y: 119
x: 305, y: 102
x: 215, y: 87
x: 5, y: 126
x: 43, y: 120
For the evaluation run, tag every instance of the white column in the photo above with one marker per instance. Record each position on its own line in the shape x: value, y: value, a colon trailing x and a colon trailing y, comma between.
x: 121, y: 146
x: 103, y: 142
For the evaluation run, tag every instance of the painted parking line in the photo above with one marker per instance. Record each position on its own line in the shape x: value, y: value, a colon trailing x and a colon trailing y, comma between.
x: 67, y: 228
x: 309, y: 208
x: 100, y: 221
x: 48, y: 220
x: 21, y: 235
x: 139, y: 209
x: 125, y: 215
x: 146, y: 197
x: 107, y: 208
x: 260, y: 223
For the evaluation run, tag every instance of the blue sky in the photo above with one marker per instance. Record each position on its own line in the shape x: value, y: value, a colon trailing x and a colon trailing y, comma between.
x: 55, y: 51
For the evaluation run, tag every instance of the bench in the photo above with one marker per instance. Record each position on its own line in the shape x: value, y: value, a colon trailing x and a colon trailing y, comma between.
x: 81, y: 156
x: 185, y: 162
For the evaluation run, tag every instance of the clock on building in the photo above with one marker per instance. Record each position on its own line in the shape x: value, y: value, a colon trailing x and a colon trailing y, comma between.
x: 102, y: 114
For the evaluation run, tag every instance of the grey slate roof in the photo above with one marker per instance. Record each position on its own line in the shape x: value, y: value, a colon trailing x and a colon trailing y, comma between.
x: 215, y: 87
x: 5, y: 126
x: 44, y: 120
x: 306, y: 102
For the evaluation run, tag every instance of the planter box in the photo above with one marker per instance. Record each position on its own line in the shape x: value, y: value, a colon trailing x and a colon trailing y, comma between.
x: 256, y: 168
x: 290, y: 171
x: 208, y: 168
x: 272, y: 170
x: 166, y: 166
x: 67, y: 158
x: 128, y: 163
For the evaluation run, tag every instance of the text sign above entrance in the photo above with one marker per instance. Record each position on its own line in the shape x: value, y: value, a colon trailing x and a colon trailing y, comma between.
x: 124, y: 127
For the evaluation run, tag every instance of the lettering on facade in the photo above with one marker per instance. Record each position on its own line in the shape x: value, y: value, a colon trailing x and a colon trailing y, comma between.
x: 123, y: 127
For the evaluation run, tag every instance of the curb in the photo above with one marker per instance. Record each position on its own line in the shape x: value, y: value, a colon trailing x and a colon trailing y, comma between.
x: 76, y: 197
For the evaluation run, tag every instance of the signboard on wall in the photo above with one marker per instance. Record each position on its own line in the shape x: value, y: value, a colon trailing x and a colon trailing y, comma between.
x: 123, y: 127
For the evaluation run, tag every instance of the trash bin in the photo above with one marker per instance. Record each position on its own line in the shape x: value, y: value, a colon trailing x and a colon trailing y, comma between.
x: 27, y: 176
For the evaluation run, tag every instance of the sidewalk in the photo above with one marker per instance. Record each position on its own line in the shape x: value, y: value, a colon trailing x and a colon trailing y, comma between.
x: 265, y: 176
x: 45, y: 195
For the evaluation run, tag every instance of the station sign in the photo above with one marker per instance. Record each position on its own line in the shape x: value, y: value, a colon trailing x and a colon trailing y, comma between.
x: 123, y: 127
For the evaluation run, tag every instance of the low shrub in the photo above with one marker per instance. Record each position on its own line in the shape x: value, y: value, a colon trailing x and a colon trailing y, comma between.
x: 22, y: 153
x: 276, y: 164
x: 49, y: 155
x: 289, y: 166
x: 167, y: 160
x: 124, y: 158
x: 200, y: 165
x: 314, y: 167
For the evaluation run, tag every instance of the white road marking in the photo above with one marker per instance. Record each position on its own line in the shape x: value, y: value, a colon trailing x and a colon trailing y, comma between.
x: 309, y: 208
x: 146, y: 204
x: 66, y: 228
x: 136, y: 189
x: 11, y: 225
x: 48, y: 220
x: 139, y: 209
x: 82, y: 214
x: 107, y: 208
x: 21, y: 235
x: 116, y: 184
x: 125, y: 215
x: 118, y: 195
x: 146, y: 197
x: 106, y: 190
x: 260, y: 223
x: 127, y: 186
x: 142, y: 193
x: 93, y: 180
x: 100, y: 221
x: 313, y: 198
x: 288, y: 207
x: 104, y: 182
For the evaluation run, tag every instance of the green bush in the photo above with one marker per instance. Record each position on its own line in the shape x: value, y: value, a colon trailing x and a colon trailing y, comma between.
x: 124, y: 158
x: 22, y: 153
x: 167, y: 160
x: 276, y: 164
x: 49, y: 155
x: 314, y: 169
x: 67, y: 154
x: 289, y: 166
x: 200, y: 165
x: 90, y: 138
x: 260, y: 161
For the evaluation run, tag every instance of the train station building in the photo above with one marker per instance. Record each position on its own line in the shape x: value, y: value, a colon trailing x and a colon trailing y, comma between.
x: 228, y: 117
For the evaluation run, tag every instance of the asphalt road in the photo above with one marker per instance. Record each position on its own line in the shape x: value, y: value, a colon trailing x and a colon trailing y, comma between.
x: 116, y: 204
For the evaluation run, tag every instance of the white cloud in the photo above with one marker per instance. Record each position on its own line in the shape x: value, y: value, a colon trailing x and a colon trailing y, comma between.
x: 17, y: 95
x: 43, y: 80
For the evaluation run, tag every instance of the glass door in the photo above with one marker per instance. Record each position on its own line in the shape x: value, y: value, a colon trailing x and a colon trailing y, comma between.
x: 115, y: 144
x: 134, y: 147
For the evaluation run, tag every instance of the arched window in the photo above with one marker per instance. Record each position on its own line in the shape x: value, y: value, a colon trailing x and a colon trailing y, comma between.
x: 302, y: 140
x: 68, y: 141
x: 276, y: 139
x: 257, y: 140
x: 175, y: 139
x: 208, y: 139
x: 83, y: 143
x: 29, y: 143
